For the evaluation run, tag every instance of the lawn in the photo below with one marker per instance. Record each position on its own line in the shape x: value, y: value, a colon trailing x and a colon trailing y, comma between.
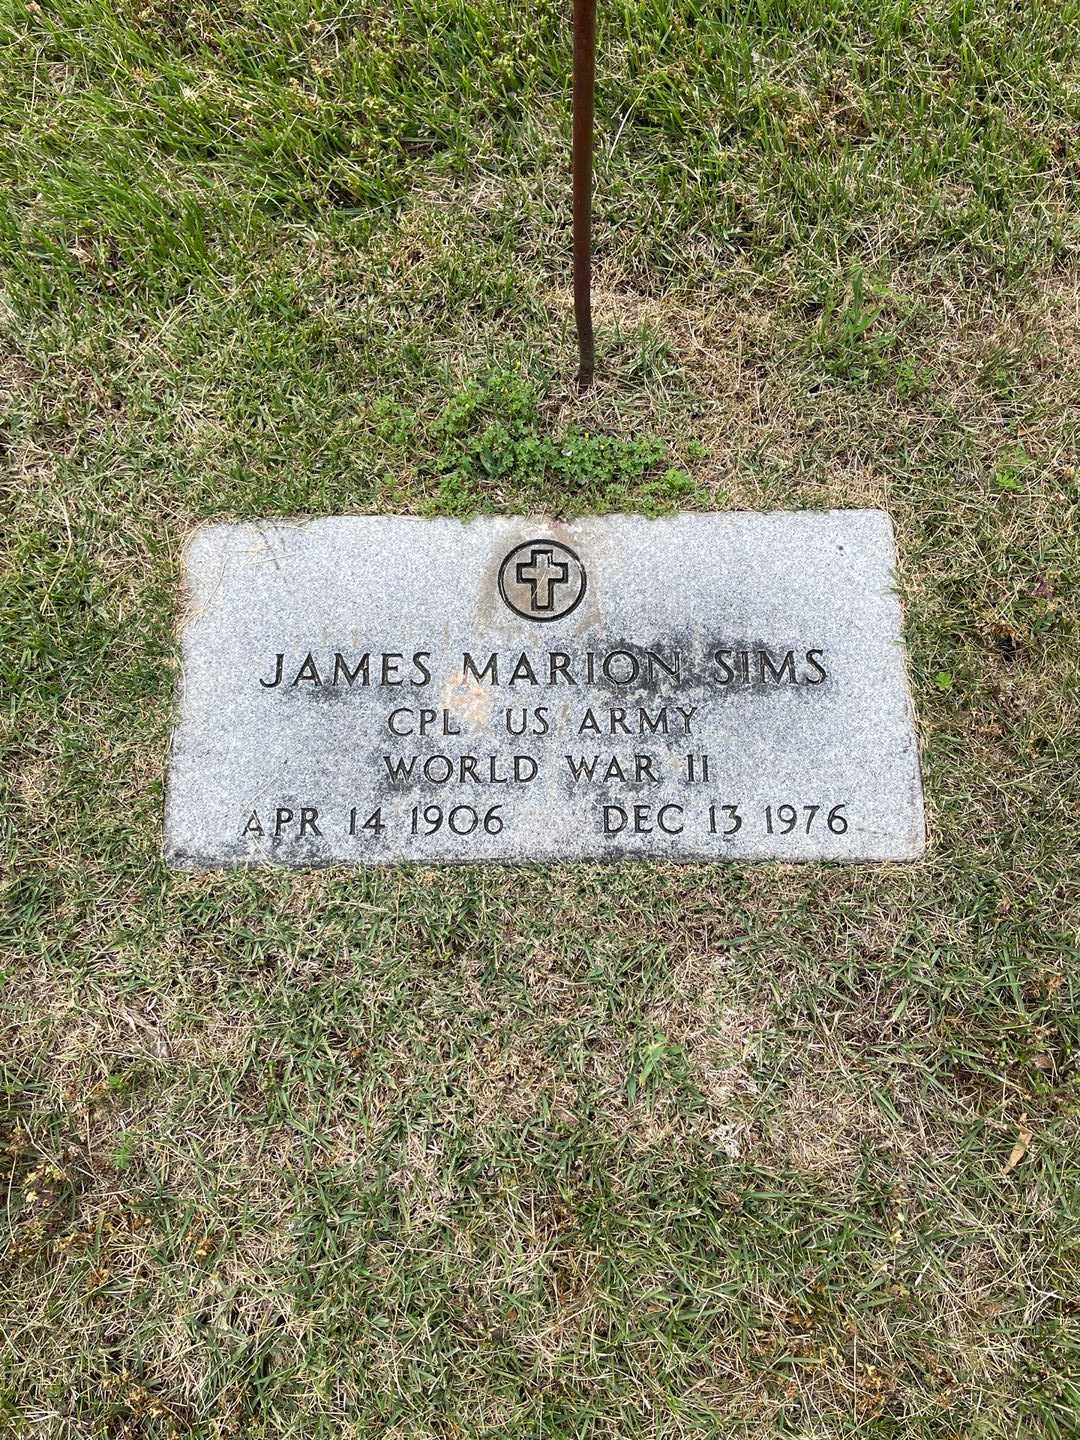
x: 622, y: 1151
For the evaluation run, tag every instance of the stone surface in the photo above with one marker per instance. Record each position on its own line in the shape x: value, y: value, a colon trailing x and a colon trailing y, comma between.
x: 371, y: 689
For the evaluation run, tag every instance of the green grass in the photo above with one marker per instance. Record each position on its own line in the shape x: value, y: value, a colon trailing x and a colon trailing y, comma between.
x: 628, y: 1151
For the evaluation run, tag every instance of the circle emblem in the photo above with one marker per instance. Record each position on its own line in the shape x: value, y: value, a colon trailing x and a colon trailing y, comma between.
x: 542, y: 580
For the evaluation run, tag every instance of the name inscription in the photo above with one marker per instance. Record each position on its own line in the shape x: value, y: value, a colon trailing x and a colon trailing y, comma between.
x: 613, y: 667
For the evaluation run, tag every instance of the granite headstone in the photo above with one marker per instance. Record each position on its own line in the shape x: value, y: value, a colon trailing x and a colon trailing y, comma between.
x: 369, y: 689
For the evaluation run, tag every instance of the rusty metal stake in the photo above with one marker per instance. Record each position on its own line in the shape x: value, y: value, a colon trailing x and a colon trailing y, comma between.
x: 584, y: 90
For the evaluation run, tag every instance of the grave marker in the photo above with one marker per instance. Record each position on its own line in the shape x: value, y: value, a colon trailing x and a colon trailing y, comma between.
x: 370, y: 689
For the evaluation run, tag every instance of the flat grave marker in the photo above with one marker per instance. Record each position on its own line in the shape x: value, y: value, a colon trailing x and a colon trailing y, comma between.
x: 373, y: 689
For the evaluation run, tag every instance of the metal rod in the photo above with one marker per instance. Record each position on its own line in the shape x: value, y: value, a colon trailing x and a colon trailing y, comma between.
x: 584, y: 90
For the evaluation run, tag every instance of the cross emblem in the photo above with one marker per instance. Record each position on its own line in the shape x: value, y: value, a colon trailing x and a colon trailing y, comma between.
x: 542, y: 573
x: 542, y: 580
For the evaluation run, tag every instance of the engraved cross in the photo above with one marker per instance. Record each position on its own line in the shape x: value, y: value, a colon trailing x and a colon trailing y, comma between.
x: 542, y: 572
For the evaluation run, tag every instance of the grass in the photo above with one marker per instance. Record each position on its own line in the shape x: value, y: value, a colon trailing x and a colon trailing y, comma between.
x: 574, y: 1151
